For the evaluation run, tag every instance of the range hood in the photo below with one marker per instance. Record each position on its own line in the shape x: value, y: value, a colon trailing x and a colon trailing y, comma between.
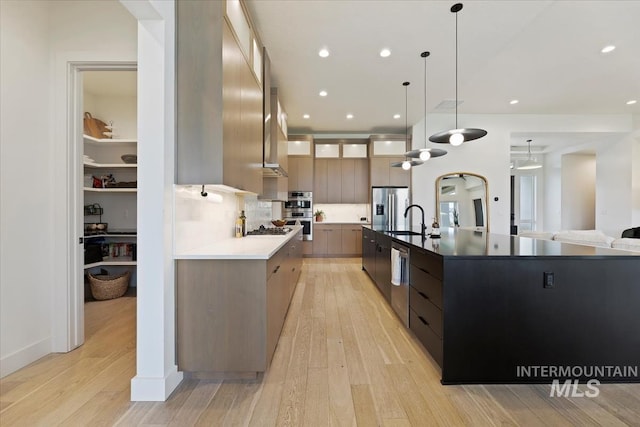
x: 273, y: 170
x: 272, y: 113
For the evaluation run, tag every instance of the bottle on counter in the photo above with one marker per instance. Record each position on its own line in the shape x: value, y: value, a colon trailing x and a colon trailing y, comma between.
x: 435, y: 228
x: 243, y: 223
x: 238, y: 226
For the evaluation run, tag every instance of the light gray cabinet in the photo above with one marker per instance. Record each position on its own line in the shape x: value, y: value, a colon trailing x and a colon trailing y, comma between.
x: 231, y: 312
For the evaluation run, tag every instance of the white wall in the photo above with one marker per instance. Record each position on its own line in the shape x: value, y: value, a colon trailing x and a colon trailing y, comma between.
x: 578, y: 192
x: 489, y: 156
x: 613, y: 188
x: 26, y: 188
x: 38, y: 39
x: 635, y: 171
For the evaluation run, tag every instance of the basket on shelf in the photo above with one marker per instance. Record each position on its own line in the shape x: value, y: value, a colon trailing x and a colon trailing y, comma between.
x: 105, y: 286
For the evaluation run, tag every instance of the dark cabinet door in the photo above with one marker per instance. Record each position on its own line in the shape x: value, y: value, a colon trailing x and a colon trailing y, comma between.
x: 369, y: 252
x: 383, y: 265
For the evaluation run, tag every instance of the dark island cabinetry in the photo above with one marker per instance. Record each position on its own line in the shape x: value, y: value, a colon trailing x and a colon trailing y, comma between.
x: 425, y: 301
x: 504, y: 309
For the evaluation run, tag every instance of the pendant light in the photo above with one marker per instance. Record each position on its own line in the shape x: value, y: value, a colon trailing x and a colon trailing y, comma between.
x: 529, y: 163
x: 457, y: 136
x: 406, y: 164
x: 425, y: 153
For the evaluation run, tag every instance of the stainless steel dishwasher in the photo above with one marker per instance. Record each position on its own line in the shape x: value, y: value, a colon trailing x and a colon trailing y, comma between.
x: 400, y: 281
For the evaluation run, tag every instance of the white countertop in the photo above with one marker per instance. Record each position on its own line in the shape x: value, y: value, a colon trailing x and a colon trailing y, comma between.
x: 248, y: 247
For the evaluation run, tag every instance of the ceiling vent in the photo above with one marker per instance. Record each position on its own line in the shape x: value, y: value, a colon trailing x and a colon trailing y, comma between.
x: 448, y: 104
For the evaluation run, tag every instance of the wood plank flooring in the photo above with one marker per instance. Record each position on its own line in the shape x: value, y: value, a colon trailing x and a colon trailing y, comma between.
x: 343, y: 359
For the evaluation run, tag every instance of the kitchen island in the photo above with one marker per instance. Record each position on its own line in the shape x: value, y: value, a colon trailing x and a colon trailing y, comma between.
x: 232, y: 298
x: 493, y: 308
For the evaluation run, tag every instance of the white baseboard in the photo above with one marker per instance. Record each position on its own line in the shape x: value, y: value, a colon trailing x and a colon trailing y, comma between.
x: 155, y: 389
x: 21, y: 358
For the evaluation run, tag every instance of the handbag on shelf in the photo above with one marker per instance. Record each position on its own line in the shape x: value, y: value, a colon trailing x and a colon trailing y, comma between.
x: 94, y: 127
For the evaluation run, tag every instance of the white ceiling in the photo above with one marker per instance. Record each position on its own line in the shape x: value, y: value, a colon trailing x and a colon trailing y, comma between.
x: 546, y: 54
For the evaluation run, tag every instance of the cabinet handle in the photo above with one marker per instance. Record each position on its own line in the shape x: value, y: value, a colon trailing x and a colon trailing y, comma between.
x: 276, y: 270
x: 423, y: 295
x: 423, y: 321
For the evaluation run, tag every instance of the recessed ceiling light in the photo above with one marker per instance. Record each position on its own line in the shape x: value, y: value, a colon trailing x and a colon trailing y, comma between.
x: 305, y: 116
x: 632, y: 101
x: 349, y: 116
x: 608, y: 49
x: 396, y: 116
x: 323, y: 93
x: 513, y: 101
x: 385, y: 52
x: 323, y: 53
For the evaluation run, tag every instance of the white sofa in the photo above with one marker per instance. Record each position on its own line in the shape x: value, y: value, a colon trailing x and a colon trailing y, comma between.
x: 586, y: 237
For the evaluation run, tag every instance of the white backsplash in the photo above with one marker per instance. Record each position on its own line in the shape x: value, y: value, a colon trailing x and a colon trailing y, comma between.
x: 199, y: 221
x: 343, y: 212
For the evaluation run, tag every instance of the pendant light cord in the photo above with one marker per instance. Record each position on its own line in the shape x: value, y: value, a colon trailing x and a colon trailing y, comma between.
x: 456, y: 70
x: 425, y: 101
x: 406, y: 123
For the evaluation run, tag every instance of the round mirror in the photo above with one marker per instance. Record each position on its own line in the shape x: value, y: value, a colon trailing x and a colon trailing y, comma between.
x: 461, y: 201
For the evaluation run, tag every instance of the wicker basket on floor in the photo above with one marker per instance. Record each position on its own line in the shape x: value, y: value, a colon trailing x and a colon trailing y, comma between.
x: 105, y: 287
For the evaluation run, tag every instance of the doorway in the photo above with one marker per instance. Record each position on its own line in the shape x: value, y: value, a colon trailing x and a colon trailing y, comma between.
x: 93, y: 206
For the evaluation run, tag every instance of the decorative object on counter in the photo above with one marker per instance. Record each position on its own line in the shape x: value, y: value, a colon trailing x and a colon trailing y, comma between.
x: 457, y: 136
x: 238, y: 227
x: 406, y: 164
x: 243, y: 219
x: 278, y: 222
x: 105, y: 286
x: 319, y: 215
x: 425, y: 153
x: 269, y: 231
x: 530, y: 163
x: 435, y: 229
x: 94, y: 127
x: 129, y: 158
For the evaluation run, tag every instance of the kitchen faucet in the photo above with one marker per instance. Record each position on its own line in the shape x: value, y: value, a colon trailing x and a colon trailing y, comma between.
x: 424, y: 227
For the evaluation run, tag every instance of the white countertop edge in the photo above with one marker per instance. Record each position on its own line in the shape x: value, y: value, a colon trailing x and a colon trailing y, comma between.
x: 248, y: 247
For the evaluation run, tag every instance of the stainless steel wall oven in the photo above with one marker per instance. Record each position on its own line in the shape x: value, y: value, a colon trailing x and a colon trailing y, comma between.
x: 299, y: 207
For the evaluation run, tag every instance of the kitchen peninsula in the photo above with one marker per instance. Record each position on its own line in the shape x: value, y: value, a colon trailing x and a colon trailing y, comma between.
x: 489, y: 307
x: 232, y: 299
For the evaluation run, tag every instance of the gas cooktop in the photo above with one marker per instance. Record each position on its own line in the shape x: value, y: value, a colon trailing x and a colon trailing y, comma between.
x: 269, y: 231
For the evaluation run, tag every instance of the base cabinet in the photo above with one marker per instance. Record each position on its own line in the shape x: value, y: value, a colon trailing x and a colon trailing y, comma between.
x: 230, y: 312
x: 383, y: 265
x: 337, y: 240
x: 425, y: 301
x: 369, y: 251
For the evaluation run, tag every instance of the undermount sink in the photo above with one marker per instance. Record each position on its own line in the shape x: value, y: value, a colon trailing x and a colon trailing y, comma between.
x: 402, y: 232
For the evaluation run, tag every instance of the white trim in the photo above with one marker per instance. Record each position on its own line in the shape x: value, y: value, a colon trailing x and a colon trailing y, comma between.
x: 24, y: 356
x: 68, y: 316
x: 151, y: 389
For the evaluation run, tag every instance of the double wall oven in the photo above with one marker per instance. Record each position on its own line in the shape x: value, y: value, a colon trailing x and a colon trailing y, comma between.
x: 299, y: 207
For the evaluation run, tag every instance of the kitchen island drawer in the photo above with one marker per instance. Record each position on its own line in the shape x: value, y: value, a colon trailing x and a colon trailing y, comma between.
x: 427, y: 310
x: 429, y: 339
x: 426, y: 284
x: 428, y: 262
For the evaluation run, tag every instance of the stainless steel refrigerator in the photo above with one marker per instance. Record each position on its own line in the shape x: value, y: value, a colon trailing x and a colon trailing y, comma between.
x: 387, y: 208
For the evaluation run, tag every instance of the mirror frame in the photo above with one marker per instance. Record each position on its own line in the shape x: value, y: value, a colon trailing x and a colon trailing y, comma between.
x: 486, y: 194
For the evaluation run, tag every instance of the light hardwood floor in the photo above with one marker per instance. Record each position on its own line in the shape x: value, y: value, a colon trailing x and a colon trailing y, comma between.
x: 343, y: 359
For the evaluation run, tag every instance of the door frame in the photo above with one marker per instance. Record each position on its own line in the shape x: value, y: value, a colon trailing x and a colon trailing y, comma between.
x: 75, y: 243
